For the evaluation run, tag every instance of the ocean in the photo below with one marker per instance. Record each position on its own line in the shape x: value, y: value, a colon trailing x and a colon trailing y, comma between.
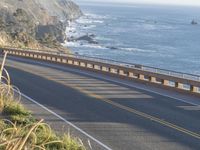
x: 157, y: 36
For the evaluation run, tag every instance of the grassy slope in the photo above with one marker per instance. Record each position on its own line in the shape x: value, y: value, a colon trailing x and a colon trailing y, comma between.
x: 19, y: 130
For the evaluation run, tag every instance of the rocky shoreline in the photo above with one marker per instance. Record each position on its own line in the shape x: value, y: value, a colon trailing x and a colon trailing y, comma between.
x: 36, y: 23
x: 88, y: 38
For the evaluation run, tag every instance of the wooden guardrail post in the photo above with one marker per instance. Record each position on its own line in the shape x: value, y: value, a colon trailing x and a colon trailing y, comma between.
x: 193, y: 88
x: 152, y: 79
x: 2, y: 66
x: 84, y: 64
x: 165, y: 82
x: 178, y: 85
x: 122, y: 70
x: 141, y: 77
x: 59, y: 59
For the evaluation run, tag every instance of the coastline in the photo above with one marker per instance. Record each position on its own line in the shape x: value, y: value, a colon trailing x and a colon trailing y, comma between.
x: 33, y: 24
x: 140, y: 38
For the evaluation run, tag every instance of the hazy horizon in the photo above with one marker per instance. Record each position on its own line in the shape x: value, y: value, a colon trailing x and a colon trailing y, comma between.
x: 162, y: 2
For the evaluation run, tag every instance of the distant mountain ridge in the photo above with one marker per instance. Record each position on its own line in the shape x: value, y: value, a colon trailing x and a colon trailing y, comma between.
x: 35, y: 22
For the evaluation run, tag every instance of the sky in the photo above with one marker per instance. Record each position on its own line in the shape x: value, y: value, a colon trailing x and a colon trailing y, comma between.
x: 168, y: 2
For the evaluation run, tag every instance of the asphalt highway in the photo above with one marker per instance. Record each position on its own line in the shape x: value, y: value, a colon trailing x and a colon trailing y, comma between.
x: 120, y: 116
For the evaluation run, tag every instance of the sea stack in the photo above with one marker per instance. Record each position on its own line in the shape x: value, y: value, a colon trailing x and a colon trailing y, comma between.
x: 194, y: 22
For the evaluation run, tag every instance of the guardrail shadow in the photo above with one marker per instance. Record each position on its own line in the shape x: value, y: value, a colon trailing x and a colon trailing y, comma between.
x: 92, y: 105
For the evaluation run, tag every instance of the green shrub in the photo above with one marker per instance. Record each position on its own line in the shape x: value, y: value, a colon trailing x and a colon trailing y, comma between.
x: 25, y: 132
x: 14, y: 108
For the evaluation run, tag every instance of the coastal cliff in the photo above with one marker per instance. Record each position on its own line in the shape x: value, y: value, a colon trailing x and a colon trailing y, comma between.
x: 35, y: 23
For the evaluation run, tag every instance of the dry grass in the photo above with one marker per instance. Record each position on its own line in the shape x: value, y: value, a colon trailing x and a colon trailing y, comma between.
x: 19, y: 130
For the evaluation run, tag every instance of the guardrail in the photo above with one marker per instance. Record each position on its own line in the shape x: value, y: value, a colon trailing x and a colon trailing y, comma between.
x: 167, y: 78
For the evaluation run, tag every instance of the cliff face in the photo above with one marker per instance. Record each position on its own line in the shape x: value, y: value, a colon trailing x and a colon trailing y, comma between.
x: 35, y: 22
x: 45, y: 11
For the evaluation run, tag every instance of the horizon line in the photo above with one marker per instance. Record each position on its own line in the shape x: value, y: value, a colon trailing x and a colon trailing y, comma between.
x: 137, y: 3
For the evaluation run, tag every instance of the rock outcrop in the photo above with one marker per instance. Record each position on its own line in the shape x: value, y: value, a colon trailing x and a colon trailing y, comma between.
x: 35, y: 23
x: 88, y: 38
x: 194, y: 22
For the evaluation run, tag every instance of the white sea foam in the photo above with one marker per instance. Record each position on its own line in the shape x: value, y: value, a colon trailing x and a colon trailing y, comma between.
x: 164, y: 48
x: 167, y: 27
x: 91, y: 19
x: 95, y: 16
x: 78, y: 44
x: 137, y: 50
x: 88, y: 21
x: 149, y: 27
x: 89, y: 26
x: 103, y: 38
x: 81, y: 27
x: 95, y: 46
x: 71, y: 44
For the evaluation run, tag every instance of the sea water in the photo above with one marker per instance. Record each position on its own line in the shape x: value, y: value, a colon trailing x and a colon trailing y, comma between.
x: 157, y: 36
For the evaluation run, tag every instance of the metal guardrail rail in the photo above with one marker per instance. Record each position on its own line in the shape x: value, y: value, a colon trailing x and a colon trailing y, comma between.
x: 141, y: 72
x: 120, y: 63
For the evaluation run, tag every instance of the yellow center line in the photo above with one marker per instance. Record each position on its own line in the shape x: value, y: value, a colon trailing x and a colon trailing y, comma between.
x: 131, y: 110
x: 147, y: 116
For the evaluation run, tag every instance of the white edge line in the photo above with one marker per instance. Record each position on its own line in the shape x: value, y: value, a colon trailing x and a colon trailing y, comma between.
x: 71, y: 124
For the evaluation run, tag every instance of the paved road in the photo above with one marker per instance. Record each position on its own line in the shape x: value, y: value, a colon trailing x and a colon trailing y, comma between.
x: 120, y: 116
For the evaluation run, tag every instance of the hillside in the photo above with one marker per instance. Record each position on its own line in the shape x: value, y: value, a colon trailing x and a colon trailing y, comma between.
x: 35, y: 23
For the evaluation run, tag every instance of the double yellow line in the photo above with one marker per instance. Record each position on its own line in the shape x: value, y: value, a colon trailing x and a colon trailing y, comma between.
x: 152, y: 118
x: 131, y: 110
x: 144, y: 115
